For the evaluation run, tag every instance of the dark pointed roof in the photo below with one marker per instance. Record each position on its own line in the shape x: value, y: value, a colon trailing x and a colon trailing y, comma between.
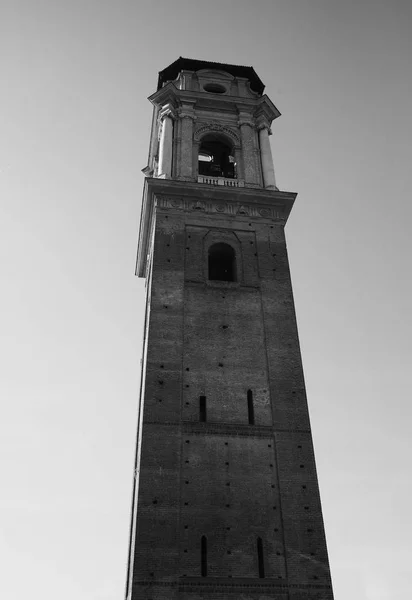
x: 190, y: 64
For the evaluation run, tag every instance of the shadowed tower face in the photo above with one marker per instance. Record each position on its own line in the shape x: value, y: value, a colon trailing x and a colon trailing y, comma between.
x: 226, y: 500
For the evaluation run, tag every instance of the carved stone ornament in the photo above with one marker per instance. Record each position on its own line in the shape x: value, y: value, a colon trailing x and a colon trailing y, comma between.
x: 175, y: 203
x: 216, y: 127
x: 167, y: 111
x: 262, y: 123
x: 234, y: 209
x: 199, y: 205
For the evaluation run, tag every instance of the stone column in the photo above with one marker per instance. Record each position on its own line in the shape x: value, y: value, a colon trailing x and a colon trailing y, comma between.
x: 247, y: 132
x: 268, y: 169
x: 239, y: 164
x: 166, y: 144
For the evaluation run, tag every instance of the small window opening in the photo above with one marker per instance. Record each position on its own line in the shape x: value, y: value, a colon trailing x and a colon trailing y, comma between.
x: 204, y: 556
x: 202, y: 409
x: 260, y: 558
x: 222, y: 263
x: 250, y: 409
x: 216, y: 158
x: 214, y: 88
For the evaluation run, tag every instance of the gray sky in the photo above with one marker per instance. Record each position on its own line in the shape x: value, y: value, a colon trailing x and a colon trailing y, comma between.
x: 74, y: 133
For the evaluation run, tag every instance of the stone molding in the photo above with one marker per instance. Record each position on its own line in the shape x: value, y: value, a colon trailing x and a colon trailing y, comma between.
x: 245, y: 118
x: 234, y: 209
x: 227, y: 429
x: 185, y: 113
x: 232, y: 583
x: 246, y: 121
x: 216, y: 127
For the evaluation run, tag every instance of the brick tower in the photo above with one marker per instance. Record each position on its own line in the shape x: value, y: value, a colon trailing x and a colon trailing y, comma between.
x: 226, y: 500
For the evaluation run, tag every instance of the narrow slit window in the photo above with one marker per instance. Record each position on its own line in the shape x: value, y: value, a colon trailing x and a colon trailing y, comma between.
x: 222, y: 263
x: 204, y: 556
x: 202, y: 409
x: 250, y: 409
x: 260, y: 558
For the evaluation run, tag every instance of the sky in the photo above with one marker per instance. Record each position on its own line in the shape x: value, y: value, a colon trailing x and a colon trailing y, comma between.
x: 74, y: 135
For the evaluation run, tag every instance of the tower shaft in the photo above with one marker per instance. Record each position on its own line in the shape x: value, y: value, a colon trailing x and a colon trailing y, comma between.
x: 226, y: 500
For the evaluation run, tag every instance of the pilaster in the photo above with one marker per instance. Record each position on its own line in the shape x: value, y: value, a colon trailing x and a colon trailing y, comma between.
x: 187, y: 118
x: 247, y: 133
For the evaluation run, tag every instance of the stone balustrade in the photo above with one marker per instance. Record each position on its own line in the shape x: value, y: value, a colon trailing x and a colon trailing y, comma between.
x: 209, y: 180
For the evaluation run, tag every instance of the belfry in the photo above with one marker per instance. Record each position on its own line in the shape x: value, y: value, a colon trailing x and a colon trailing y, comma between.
x: 226, y: 501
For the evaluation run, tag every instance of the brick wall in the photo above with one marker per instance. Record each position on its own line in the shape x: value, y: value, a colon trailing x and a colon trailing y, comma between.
x: 226, y: 479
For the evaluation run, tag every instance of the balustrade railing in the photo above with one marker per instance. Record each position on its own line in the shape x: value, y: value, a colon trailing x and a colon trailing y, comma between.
x: 220, y: 181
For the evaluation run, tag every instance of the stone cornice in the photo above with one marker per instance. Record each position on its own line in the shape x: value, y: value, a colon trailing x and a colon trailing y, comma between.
x: 265, y: 113
x: 170, y: 93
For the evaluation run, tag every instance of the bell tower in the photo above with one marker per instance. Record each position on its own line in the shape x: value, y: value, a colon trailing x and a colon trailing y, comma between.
x: 226, y: 500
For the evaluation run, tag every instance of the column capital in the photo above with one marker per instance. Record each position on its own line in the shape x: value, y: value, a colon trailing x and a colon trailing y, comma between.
x: 168, y: 110
x: 187, y: 112
x: 263, y: 123
x: 245, y: 118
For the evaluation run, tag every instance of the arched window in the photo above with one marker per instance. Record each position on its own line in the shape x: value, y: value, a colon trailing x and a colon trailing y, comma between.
x: 222, y: 263
x: 216, y: 158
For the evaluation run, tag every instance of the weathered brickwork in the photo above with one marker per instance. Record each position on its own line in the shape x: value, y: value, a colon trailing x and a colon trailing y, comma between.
x: 225, y: 449
x: 224, y: 478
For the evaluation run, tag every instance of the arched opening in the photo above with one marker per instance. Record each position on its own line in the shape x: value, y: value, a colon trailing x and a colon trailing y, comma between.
x: 222, y: 262
x: 216, y: 158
